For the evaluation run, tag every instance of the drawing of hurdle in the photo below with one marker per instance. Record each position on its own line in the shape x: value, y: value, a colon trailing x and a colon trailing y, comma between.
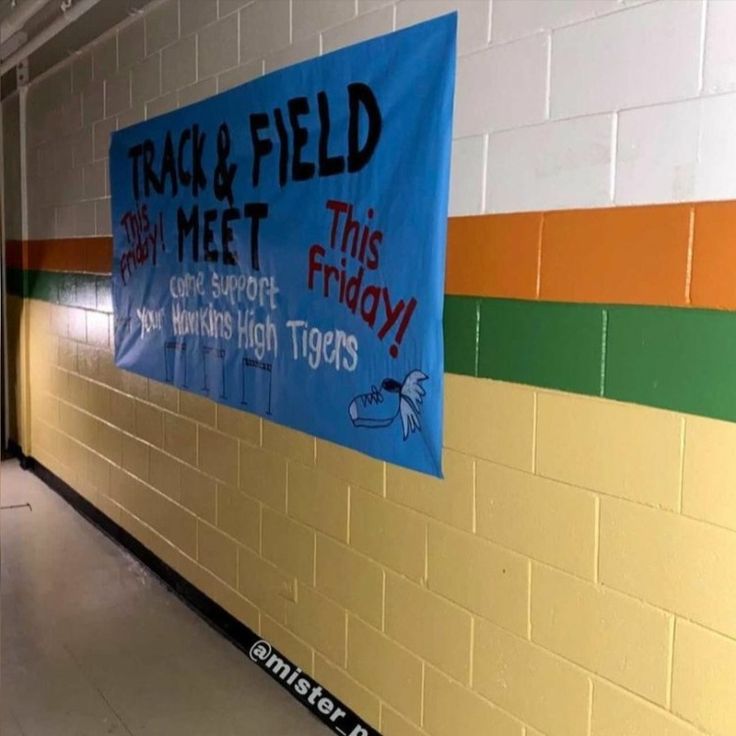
x: 258, y: 365
x: 171, y: 349
x: 217, y: 354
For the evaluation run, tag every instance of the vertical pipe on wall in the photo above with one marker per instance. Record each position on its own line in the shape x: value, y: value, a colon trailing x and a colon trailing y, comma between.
x: 22, y: 97
x: 3, y: 291
x: 25, y: 366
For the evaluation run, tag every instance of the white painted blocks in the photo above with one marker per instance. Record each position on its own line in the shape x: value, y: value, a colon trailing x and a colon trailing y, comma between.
x: 239, y: 75
x: 131, y: 44
x: 472, y: 24
x: 264, y: 27
x: 641, y: 56
x: 502, y: 87
x: 466, y: 176
x: 146, y: 80
x: 95, y: 179
x: 516, y: 18
x: 359, y: 29
x: 195, y: 14
x: 717, y: 155
x: 677, y: 152
x: 217, y: 48
x: 117, y: 94
x: 105, y: 57
x: 309, y: 17
x: 81, y: 71
x: 302, y: 50
x: 103, y: 217
x: 657, y: 153
x: 551, y: 166
x: 162, y: 26
x: 179, y: 65
x: 720, y: 51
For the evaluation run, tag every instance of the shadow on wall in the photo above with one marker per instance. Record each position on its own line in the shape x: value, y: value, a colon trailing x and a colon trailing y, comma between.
x: 14, y: 322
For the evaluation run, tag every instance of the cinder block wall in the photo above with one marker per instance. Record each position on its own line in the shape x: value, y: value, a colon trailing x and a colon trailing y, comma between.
x: 575, y: 574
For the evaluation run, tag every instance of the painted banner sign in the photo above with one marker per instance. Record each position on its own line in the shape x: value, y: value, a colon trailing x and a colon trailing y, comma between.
x: 280, y: 247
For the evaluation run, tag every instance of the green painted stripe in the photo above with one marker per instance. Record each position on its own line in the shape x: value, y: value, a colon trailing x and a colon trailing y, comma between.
x: 85, y: 290
x: 542, y: 343
x: 683, y: 359
x: 461, y: 334
x: 673, y: 358
x: 14, y: 281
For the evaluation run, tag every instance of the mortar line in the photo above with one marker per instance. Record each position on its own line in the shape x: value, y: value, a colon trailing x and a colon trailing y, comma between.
x: 591, y: 692
x: 701, y: 60
x: 530, y: 567
x: 535, y: 424
x: 681, y: 479
x: 548, y: 79
x: 670, y: 664
x: 614, y: 159
x: 484, y: 180
x: 597, y: 541
x: 604, y: 351
x: 689, y: 257
x: 476, y: 362
x: 540, y: 240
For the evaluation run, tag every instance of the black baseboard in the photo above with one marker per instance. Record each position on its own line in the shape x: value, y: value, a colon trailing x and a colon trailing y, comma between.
x: 340, y: 719
x: 14, y: 450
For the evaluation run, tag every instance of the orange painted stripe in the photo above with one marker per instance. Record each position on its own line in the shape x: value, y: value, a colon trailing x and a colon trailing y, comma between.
x: 99, y: 255
x: 82, y: 255
x: 714, y: 256
x: 14, y: 254
x: 617, y: 255
x: 494, y: 255
x: 670, y: 255
x: 624, y: 255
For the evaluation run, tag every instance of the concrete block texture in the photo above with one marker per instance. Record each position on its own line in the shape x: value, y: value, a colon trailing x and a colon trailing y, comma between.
x: 572, y: 574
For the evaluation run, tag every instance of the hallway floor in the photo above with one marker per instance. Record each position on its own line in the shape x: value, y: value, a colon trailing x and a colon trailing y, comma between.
x: 93, y: 644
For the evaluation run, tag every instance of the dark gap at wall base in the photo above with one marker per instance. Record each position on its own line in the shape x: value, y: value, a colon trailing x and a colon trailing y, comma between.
x: 12, y: 450
x: 240, y: 635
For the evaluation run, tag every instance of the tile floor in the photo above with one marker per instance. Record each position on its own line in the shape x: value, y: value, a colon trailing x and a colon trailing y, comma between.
x: 93, y: 644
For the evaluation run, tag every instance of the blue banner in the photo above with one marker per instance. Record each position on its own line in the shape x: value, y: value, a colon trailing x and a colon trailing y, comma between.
x: 280, y: 247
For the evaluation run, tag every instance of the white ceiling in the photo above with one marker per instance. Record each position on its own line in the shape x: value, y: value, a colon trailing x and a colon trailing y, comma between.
x: 92, y: 24
x: 6, y: 7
